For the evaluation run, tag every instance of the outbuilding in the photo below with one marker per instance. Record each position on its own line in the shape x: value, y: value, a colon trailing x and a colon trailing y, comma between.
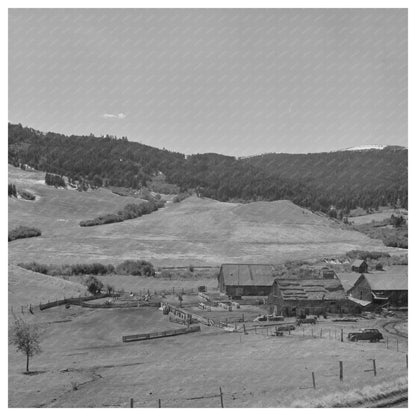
x: 388, y: 287
x: 236, y: 280
x: 293, y: 296
x: 359, y: 266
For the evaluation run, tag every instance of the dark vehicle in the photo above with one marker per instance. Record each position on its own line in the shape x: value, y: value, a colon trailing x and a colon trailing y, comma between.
x: 372, y: 335
x: 275, y: 318
x: 306, y: 321
x: 260, y: 318
x: 286, y: 328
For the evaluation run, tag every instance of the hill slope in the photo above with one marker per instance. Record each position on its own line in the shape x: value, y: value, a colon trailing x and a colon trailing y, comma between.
x: 346, y: 179
x: 197, y: 230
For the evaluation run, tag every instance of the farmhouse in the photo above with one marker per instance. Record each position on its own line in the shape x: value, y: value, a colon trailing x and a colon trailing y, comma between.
x: 381, y: 288
x: 293, y: 296
x: 359, y: 266
x: 238, y: 280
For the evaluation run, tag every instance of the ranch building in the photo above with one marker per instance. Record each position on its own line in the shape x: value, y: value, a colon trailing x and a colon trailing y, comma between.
x: 359, y: 266
x: 382, y: 288
x: 236, y: 280
x: 294, y: 296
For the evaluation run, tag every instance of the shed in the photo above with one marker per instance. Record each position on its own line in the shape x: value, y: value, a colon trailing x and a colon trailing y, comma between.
x: 359, y: 266
x: 386, y: 287
x: 238, y: 280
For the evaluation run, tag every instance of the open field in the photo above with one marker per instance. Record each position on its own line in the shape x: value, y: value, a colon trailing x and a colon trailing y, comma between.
x: 378, y: 216
x: 197, y: 231
x: 84, y: 363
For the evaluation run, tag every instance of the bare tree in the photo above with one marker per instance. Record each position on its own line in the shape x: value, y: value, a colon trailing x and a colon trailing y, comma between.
x: 26, y: 338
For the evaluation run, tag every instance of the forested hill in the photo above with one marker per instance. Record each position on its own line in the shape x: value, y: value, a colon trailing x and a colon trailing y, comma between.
x: 345, y: 179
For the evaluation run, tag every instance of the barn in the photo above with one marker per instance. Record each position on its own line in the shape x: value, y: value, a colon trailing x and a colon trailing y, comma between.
x: 236, y: 280
x: 359, y: 266
x: 381, y: 288
x: 294, y: 296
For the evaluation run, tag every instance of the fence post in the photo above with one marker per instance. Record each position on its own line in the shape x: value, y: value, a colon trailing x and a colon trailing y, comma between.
x: 320, y: 335
x: 131, y: 403
x: 407, y: 362
x: 243, y: 317
x: 160, y: 403
x: 313, y: 380
x: 374, y: 367
x: 342, y: 334
x: 222, y: 401
x: 244, y: 329
x: 341, y: 371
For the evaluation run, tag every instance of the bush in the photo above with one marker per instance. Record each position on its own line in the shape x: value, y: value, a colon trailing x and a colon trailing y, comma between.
x: 136, y: 268
x: 180, y: 197
x: 12, y: 190
x: 364, y: 255
x: 27, y: 195
x: 130, y: 211
x: 94, y: 285
x: 23, y: 232
x: 54, y: 180
x: 68, y: 269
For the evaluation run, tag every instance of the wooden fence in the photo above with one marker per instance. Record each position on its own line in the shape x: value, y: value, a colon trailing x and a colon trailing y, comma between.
x: 161, y: 334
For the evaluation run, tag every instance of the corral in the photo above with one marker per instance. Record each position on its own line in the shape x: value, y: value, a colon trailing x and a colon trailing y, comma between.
x: 85, y: 363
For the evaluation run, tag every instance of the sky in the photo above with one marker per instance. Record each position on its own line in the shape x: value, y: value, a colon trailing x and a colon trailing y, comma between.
x: 231, y: 81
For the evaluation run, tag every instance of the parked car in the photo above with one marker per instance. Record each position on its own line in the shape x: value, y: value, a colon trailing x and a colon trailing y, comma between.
x: 370, y: 334
x: 260, y: 318
x: 286, y: 328
x: 306, y: 321
x: 275, y: 318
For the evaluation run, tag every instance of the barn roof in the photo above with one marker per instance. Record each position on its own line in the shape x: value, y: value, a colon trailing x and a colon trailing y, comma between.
x: 247, y: 274
x: 310, y: 289
x: 357, y: 262
x: 394, y: 278
x: 348, y: 279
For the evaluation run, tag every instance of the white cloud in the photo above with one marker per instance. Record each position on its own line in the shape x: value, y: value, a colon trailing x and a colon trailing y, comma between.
x: 119, y: 116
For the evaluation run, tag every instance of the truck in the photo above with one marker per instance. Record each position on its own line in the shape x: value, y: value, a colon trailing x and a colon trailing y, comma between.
x: 370, y: 334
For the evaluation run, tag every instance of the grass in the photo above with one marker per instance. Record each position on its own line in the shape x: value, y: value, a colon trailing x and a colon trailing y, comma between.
x: 84, y: 347
x: 366, y: 396
x: 26, y: 287
x: 195, y: 231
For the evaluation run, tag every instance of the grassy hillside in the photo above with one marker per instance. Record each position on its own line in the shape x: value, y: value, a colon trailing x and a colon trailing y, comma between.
x: 26, y: 287
x: 197, y: 230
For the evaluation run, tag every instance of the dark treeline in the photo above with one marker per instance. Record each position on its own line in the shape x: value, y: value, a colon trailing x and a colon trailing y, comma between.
x: 54, y: 180
x: 318, y: 181
x: 23, y: 232
x: 127, y: 267
x: 129, y: 212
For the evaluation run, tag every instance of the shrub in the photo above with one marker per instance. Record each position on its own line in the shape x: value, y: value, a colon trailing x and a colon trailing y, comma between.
x: 27, y: 195
x: 69, y: 269
x: 180, y: 197
x: 94, y: 285
x: 130, y: 211
x: 136, y: 268
x: 23, y: 232
x: 363, y: 255
x: 12, y: 190
x: 54, y: 180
